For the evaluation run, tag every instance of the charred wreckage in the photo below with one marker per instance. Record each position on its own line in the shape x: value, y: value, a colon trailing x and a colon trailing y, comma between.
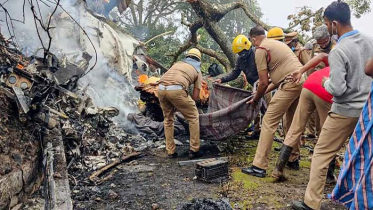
x: 52, y: 119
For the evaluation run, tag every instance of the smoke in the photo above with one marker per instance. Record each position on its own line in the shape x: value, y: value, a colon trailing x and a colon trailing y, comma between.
x: 109, y: 83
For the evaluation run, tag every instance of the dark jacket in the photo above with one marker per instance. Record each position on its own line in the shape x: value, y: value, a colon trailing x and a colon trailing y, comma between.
x: 245, y: 63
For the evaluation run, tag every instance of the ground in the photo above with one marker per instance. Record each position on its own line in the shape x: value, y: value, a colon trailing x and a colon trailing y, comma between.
x: 156, y: 180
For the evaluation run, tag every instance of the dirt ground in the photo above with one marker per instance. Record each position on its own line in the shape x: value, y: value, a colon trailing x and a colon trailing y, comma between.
x: 156, y: 180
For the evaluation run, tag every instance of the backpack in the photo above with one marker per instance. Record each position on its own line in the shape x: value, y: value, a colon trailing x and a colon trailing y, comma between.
x: 215, y: 70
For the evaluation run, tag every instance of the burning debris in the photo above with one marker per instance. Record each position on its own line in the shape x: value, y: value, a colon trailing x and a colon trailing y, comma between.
x: 41, y: 115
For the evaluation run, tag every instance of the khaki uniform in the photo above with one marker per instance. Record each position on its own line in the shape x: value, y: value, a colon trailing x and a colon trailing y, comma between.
x: 182, y: 74
x: 334, y: 133
x: 257, y: 123
x: 313, y: 125
x: 303, y: 56
x: 278, y: 59
x: 308, y: 104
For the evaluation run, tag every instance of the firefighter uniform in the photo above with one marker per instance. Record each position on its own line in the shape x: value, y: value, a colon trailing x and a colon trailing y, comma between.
x: 276, y: 57
x: 173, y: 96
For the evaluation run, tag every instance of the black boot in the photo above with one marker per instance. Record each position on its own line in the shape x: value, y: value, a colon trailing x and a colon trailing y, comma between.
x: 330, y: 177
x: 282, y: 159
x: 300, y: 205
x: 293, y: 165
x: 174, y: 155
x: 254, y: 171
x: 194, y: 155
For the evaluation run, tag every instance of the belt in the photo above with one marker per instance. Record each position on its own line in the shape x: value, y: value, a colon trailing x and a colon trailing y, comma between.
x: 170, y: 87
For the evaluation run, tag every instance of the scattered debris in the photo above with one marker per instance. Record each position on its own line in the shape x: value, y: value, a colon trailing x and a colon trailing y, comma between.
x: 95, y: 175
x: 206, y: 204
x: 192, y: 162
x: 212, y: 170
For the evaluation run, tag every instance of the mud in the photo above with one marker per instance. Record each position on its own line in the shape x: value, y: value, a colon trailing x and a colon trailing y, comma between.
x: 153, y: 179
x: 157, y: 182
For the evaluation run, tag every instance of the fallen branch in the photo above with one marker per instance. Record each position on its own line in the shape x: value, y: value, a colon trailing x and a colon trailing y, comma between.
x: 123, y: 159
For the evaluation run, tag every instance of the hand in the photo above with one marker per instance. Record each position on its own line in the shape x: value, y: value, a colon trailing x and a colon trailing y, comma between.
x: 218, y: 81
x: 323, y: 81
x: 252, y: 102
x: 295, y: 76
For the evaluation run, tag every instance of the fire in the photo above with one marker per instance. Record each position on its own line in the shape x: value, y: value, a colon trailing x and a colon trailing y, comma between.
x: 142, y: 78
x: 204, y: 94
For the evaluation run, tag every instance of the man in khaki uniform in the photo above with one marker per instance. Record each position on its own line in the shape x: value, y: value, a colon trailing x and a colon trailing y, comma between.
x: 348, y: 85
x: 173, y: 96
x: 291, y: 39
x: 277, y: 59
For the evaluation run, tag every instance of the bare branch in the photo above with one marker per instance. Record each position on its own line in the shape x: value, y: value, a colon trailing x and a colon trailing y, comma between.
x: 295, y: 24
x: 191, y: 42
x: 159, y: 35
x: 216, y: 55
x: 252, y: 17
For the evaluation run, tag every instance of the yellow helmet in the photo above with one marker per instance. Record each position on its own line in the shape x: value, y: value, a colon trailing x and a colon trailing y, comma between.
x: 276, y: 33
x: 241, y: 42
x: 194, y: 52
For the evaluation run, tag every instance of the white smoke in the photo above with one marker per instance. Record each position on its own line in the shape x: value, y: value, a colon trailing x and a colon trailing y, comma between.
x: 109, y: 82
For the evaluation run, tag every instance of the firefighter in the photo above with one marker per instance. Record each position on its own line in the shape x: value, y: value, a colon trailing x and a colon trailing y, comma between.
x: 173, y: 95
x: 245, y: 63
x: 276, y: 59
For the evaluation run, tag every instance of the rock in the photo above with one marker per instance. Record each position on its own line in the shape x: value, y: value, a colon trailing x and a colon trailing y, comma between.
x: 113, y: 185
x: 18, y: 158
x: 155, y: 206
x: 96, y: 189
x: 134, y: 163
x: 162, y: 147
x: 57, y: 175
x: 112, y: 194
x: 178, y: 143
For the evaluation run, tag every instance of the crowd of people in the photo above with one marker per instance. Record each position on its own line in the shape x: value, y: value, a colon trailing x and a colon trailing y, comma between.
x: 322, y: 89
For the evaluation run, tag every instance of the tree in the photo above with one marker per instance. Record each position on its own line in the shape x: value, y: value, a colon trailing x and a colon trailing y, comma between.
x: 210, y: 13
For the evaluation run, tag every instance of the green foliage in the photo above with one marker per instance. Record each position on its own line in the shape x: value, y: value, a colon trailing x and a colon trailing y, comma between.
x: 308, y: 20
x: 359, y: 7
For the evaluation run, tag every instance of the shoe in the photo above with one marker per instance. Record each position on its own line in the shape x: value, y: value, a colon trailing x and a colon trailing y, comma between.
x: 278, y: 140
x: 194, y: 155
x: 300, y: 205
x: 282, y: 159
x: 330, y: 177
x: 293, y: 165
x: 254, y: 171
x: 331, y: 180
x: 311, y: 136
x: 254, y: 135
x: 174, y: 155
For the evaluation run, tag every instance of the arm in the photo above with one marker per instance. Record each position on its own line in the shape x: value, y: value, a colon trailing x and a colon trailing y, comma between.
x: 234, y: 74
x: 197, y: 87
x: 322, y: 57
x: 262, y: 86
x: 195, y: 95
x: 297, y: 75
x: 336, y: 84
x: 369, y: 67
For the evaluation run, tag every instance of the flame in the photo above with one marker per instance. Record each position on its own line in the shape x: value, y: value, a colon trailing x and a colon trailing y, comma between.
x: 143, y: 78
x: 19, y: 66
x: 204, y: 94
